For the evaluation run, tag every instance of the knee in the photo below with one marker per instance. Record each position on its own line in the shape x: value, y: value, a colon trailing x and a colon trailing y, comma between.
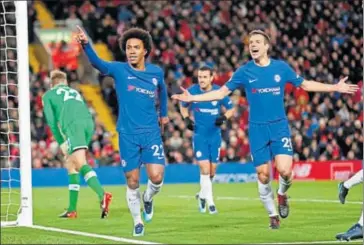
x: 286, y: 174
x: 133, y: 182
x: 205, y: 167
x: 263, y: 177
x: 78, y: 158
x: 71, y: 168
x: 156, y: 178
x: 204, y: 170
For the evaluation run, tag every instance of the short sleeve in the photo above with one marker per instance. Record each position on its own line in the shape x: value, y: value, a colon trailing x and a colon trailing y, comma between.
x: 292, y: 77
x: 238, y: 80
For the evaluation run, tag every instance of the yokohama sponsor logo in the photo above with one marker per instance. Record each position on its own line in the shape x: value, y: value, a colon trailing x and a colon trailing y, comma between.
x: 275, y: 90
x: 141, y: 90
x: 212, y: 111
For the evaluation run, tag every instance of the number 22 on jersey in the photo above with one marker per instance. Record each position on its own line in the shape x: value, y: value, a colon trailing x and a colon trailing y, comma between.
x: 69, y: 94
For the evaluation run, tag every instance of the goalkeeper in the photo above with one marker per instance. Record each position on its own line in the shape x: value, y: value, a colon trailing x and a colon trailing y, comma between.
x: 72, y: 126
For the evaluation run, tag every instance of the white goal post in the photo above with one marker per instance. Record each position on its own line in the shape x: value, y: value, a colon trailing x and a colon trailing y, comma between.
x: 23, y: 200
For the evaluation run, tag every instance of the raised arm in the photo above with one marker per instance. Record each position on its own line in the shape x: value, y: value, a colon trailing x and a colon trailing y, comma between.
x: 51, y: 121
x: 101, y: 65
x: 237, y: 80
x: 340, y: 87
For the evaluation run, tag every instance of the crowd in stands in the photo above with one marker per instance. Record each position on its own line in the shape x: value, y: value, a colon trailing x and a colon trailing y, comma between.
x: 321, y: 40
x: 45, y: 151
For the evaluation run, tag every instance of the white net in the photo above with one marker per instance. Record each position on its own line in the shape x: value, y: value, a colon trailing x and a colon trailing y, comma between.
x: 9, y: 116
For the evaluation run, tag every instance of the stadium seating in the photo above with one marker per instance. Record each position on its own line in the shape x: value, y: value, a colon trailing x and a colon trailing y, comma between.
x: 324, y: 126
x: 188, y: 34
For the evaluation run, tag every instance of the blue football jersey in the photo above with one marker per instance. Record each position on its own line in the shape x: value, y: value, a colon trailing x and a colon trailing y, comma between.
x: 136, y: 93
x: 205, y: 113
x: 264, y: 87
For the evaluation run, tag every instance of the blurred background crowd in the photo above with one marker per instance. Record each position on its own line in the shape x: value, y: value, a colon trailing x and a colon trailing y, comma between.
x: 321, y: 40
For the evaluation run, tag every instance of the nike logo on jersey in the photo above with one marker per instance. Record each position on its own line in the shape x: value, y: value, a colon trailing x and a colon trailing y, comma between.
x: 252, y: 80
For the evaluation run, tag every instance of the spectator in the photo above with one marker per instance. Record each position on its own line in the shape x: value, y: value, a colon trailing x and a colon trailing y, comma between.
x: 319, y: 43
x: 73, y: 21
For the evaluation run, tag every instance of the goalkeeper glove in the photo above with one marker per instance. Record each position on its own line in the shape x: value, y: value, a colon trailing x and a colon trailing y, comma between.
x: 220, y: 120
x: 64, y: 148
x: 189, y: 123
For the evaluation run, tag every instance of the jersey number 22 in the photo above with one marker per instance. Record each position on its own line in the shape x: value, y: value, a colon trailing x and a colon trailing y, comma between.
x: 69, y: 94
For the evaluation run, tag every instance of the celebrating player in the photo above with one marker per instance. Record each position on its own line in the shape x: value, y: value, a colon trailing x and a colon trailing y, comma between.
x: 264, y: 80
x: 137, y: 83
x: 72, y: 126
x: 356, y: 231
x: 207, y: 134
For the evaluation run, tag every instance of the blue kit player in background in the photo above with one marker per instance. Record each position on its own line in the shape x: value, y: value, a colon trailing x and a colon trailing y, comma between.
x: 264, y: 79
x: 207, y: 133
x: 137, y: 84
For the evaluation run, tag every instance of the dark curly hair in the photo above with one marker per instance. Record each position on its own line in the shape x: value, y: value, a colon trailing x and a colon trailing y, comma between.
x: 140, y: 34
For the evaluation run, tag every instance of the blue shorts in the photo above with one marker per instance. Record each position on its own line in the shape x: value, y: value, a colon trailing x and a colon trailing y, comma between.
x: 207, y: 148
x: 137, y: 149
x: 268, y: 140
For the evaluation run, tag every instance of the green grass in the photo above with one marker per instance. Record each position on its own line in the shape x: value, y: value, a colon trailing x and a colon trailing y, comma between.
x: 177, y: 220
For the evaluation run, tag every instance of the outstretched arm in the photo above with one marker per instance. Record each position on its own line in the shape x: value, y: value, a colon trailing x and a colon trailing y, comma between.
x: 210, y: 96
x: 340, y: 87
x: 99, y: 64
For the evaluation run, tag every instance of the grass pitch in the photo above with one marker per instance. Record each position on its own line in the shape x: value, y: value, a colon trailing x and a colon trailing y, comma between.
x: 315, y: 216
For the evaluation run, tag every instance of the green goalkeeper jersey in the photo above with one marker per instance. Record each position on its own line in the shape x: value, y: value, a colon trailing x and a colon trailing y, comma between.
x: 63, y: 105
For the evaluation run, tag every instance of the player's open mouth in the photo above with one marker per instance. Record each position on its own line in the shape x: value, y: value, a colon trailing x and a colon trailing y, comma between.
x: 255, y: 51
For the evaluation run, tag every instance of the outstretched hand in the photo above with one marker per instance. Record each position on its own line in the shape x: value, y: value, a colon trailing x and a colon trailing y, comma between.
x: 185, y: 96
x: 81, y: 36
x: 346, y: 88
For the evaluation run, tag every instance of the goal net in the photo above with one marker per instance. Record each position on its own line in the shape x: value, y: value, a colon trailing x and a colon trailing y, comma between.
x: 15, y: 160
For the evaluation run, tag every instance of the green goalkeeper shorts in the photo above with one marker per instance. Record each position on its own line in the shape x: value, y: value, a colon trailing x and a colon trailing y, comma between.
x: 79, y: 134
